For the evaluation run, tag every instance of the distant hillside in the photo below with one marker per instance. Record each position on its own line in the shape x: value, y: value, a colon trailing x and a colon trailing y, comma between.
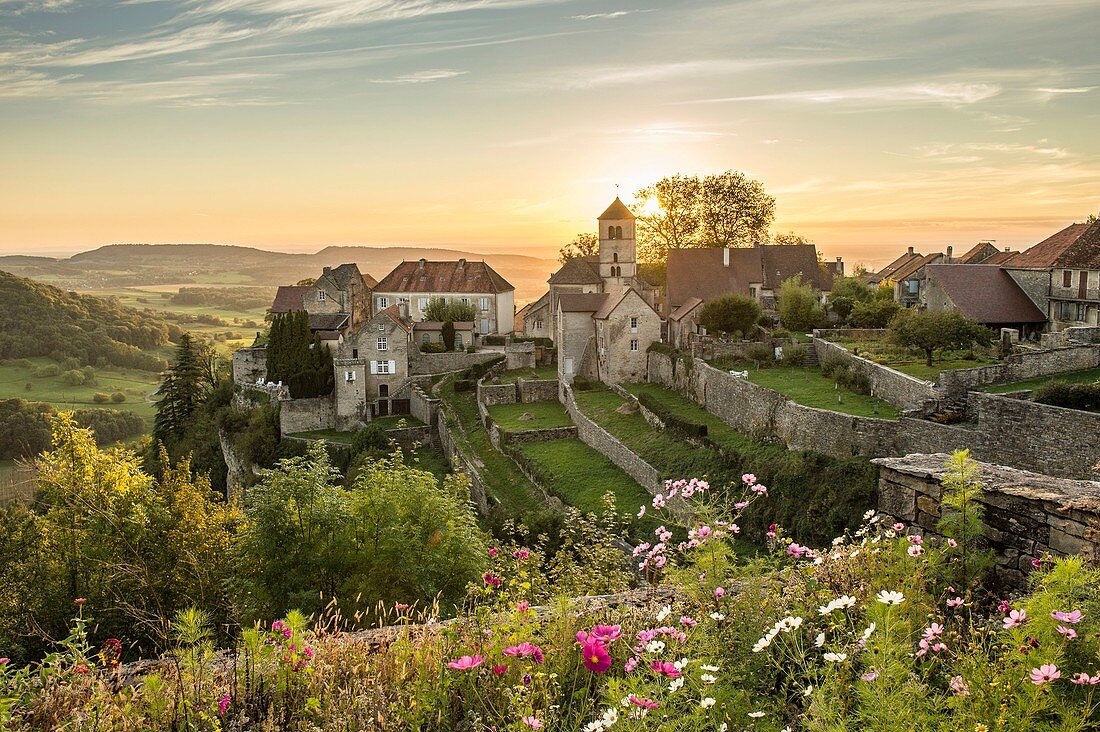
x: 128, y: 265
x: 40, y: 320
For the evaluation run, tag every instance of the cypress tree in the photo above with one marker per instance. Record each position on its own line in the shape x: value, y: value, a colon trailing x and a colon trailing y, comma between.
x: 183, y: 388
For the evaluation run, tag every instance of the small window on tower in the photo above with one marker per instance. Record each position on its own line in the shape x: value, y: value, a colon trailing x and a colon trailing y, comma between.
x: 634, y: 344
x: 615, y: 257
x: 618, y: 232
x: 1067, y: 278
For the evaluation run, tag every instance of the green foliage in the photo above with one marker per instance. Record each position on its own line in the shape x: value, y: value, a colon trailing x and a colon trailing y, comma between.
x: 961, y: 520
x: 843, y: 372
x: 845, y: 293
x: 185, y: 385
x: 875, y: 313
x: 1061, y: 393
x: 794, y: 355
x: 79, y: 377
x: 39, y: 320
x: 433, y: 347
x: 760, y: 354
x: 240, y: 299
x: 47, y: 371
x: 289, y: 346
x: 930, y: 331
x: 25, y: 426
x: 448, y: 334
x: 800, y: 309
x: 584, y: 244
x: 455, y: 311
x: 731, y: 315
x: 371, y: 438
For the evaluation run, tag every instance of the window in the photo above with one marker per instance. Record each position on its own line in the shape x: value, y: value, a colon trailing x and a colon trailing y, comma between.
x: 538, y: 325
x: 633, y: 324
x: 1076, y: 311
x: 423, y: 303
x: 381, y: 328
x: 484, y: 303
x: 610, y: 232
x: 1067, y: 278
x: 426, y: 338
x: 615, y: 257
x: 383, y: 344
x: 383, y: 390
x: 458, y: 341
x: 618, y: 232
x: 634, y: 344
x: 914, y: 286
x: 383, y: 367
x: 383, y: 302
x: 320, y: 294
x: 349, y: 376
x: 355, y: 353
x: 465, y: 300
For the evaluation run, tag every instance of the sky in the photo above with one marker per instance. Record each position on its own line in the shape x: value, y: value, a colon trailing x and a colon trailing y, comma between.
x: 509, y: 125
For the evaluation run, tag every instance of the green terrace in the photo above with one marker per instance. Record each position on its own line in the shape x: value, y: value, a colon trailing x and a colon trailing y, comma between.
x: 1087, y: 376
x: 913, y: 363
x: 530, y: 416
x: 807, y: 386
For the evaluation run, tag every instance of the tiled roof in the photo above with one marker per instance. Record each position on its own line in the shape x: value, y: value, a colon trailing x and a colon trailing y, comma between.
x: 980, y: 252
x: 1001, y: 258
x: 588, y: 302
x: 781, y: 262
x: 1049, y: 251
x: 328, y: 335
x: 684, y: 310
x: 617, y: 210
x: 703, y: 273
x: 577, y: 271
x: 887, y: 272
x: 444, y: 277
x: 344, y: 274
x: 393, y: 312
x: 288, y: 298
x: 913, y: 265
x: 327, y: 321
x: 985, y: 293
x: 1085, y: 252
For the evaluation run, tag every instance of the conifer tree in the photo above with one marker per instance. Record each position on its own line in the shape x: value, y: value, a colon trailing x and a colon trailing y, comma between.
x: 185, y: 386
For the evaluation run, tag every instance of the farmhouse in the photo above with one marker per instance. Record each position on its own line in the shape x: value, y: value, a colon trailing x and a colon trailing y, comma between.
x: 371, y: 365
x: 338, y: 300
x: 472, y: 283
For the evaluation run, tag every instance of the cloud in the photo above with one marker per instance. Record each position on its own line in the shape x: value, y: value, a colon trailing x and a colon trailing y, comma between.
x: 950, y: 149
x: 954, y: 93
x: 591, y: 77
x: 1074, y: 90
x: 421, y: 77
x: 607, y: 16
x: 24, y: 7
x: 195, y: 38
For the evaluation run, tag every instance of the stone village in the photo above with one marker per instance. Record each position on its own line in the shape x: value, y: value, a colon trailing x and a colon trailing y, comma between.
x: 602, y: 321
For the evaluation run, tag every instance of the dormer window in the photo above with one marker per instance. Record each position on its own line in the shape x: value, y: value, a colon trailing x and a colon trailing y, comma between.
x: 320, y: 294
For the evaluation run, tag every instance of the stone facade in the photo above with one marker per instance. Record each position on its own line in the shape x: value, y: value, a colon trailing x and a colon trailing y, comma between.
x: 520, y: 356
x: 537, y: 390
x: 1020, y: 366
x: 572, y: 338
x: 371, y: 365
x: 304, y: 415
x: 623, y: 336
x: 450, y: 437
x: 1026, y: 514
x: 249, y: 366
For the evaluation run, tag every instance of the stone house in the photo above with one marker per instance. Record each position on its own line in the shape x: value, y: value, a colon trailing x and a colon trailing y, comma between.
x: 1070, y: 260
x: 338, y: 300
x: 473, y: 283
x: 909, y: 279
x: 683, y: 323
x: 626, y: 326
x: 371, y: 365
x: 985, y: 293
x: 613, y: 269
x: 431, y: 331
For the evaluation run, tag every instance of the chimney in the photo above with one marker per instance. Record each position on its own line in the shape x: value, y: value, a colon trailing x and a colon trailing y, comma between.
x: 725, y: 256
x: 326, y: 270
x: 462, y: 263
x: 949, y: 248
x: 403, y: 309
x: 421, y: 264
x: 910, y: 250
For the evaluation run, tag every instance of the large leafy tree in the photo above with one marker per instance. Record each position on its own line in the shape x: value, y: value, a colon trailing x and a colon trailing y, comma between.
x: 671, y: 217
x: 584, y: 244
x: 185, y: 386
x: 846, y: 292
x: 455, y: 311
x: 800, y: 309
x: 730, y: 315
x: 929, y: 331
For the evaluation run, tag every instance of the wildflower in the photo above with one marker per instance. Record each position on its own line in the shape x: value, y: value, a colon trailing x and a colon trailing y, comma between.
x: 899, y: 526
x: 5, y: 661
x: 959, y: 686
x: 869, y: 514
x: 655, y: 646
x: 708, y: 667
x: 664, y: 613
x: 914, y: 551
x: 689, y: 622
x: 717, y: 616
x: 641, y: 511
x: 890, y: 597
x: 522, y: 606
x: 955, y: 602
x: 1069, y: 633
x: 491, y: 579
x: 708, y: 678
x: 1015, y: 619
x: 521, y: 554
x: 665, y: 668
x: 401, y: 606
x: 493, y: 551
x: 465, y: 663
x: 952, y: 543
x: 525, y: 650
x: 80, y: 601
x: 1071, y: 617
x: 610, y: 716
x: 933, y: 631
x: 498, y: 670
x: 596, y: 658
x: 869, y: 676
x: 223, y: 704
x: 81, y: 668
x: 819, y: 640
x: 1035, y: 564
x: 840, y: 603
x: 533, y: 722
x: 606, y: 634
x: 631, y: 664
x: 643, y: 702
x: 676, y: 684
x: 1082, y: 678
x: 1043, y: 674
x: 836, y: 657
x: 915, y: 539
x: 756, y: 715
x: 740, y: 504
x: 1003, y: 606
x: 658, y: 501
x: 708, y: 702
x: 867, y: 632
x: 770, y: 533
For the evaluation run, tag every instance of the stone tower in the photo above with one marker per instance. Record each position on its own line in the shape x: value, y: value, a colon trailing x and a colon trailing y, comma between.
x: 618, y: 248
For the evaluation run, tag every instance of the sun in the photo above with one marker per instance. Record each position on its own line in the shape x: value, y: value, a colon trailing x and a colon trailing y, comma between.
x: 651, y: 207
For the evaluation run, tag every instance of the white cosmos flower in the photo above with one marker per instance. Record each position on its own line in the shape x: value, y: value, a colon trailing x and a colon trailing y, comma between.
x: 809, y: 690
x: 664, y: 613
x: 655, y: 646
x: 868, y: 630
x: 610, y: 717
x: 676, y: 684
x: 819, y: 640
x: 595, y: 726
x: 708, y: 702
x: 717, y: 616
x: 681, y: 664
x: 708, y: 678
x: 707, y: 667
x: 836, y: 657
x: 890, y: 597
x: 756, y: 715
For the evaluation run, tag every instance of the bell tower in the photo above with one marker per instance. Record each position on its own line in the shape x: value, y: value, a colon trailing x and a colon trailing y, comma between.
x: 618, y: 248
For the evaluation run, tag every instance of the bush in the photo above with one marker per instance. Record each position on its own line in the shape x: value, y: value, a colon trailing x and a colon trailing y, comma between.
x: 43, y: 372
x: 732, y: 315
x: 370, y: 438
x: 799, y: 307
x: 73, y: 377
x: 1085, y: 397
x: 101, y: 398
x: 760, y: 353
x: 832, y: 364
x: 780, y: 333
x: 494, y: 340
x: 875, y: 313
x: 794, y: 355
x: 433, y: 348
x: 118, y: 397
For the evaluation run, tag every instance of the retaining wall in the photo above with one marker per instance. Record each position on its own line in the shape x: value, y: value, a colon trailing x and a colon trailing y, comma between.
x: 442, y: 363
x: 537, y: 390
x: 303, y: 415
x: 493, y: 394
x: 1025, y: 514
x: 422, y: 406
x: 1020, y: 366
x: 249, y: 366
x: 890, y: 385
x: 459, y: 463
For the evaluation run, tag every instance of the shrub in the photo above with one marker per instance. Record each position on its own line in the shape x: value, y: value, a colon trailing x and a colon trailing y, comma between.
x: 101, y: 398
x: 876, y: 313
x: 780, y: 333
x: 799, y: 307
x: 433, y: 348
x: 1085, y: 397
x: 494, y: 340
x: 369, y: 438
x: 794, y: 355
x: 50, y: 369
x: 118, y: 397
x: 832, y: 364
x: 733, y: 315
x: 761, y: 354
x: 73, y: 377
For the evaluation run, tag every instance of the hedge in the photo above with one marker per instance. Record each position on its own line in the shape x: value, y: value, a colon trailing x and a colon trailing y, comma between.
x: 672, y: 422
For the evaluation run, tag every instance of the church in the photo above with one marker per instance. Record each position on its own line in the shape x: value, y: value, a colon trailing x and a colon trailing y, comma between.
x: 600, y: 313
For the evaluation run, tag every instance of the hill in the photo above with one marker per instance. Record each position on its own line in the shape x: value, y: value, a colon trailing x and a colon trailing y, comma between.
x: 40, y: 320
x: 127, y: 265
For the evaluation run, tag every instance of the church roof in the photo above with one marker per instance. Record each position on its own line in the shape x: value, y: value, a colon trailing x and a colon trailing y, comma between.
x: 617, y: 211
x: 588, y: 302
x: 612, y: 302
x: 576, y: 271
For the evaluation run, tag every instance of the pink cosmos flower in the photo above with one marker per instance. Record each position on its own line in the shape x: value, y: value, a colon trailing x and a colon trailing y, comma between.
x: 525, y: 650
x: 521, y: 554
x: 493, y: 551
x: 914, y: 550
x: 797, y: 551
x: 498, y: 670
x: 596, y: 658
x: 1003, y: 606
x: 1069, y: 633
x: 223, y: 704
x: 959, y: 686
x: 4, y: 661
x: 641, y: 511
x: 760, y: 490
x: 643, y: 702
x: 1035, y: 564
x: 955, y: 602
x: 719, y: 593
x: 491, y: 579
x: 401, y: 606
x: 770, y: 533
x: 631, y: 664
x: 1071, y: 617
x: 915, y: 539
x: 465, y: 663
x: 533, y: 722
x: 1082, y: 678
x: 1045, y: 673
x: 952, y: 543
x: 1015, y: 619
x: 689, y: 622
x: 899, y: 526
x: 606, y: 634
x: 666, y: 668
x: 740, y: 504
x: 748, y: 479
x: 933, y: 631
x: 869, y: 676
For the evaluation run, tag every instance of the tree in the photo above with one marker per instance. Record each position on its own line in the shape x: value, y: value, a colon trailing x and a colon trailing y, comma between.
x: 930, y: 331
x: 583, y: 245
x: 730, y: 315
x: 670, y: 218
x: 185, y: 385
x: 799, y: 307
x: 875, y: 313
x: 456, y: 311
x: 448, y: 333
x: 789, y: 239
x: 734, y: 210
x: 846, y: 292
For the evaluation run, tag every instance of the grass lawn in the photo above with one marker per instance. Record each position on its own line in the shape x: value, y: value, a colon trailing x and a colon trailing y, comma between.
x: 680, y: 406
x: 136, y: 385
x: 428, y: 458
x: 395, y: 421
x: 542, y: 372
x: 582, y: 475
x: 504, y: 481
x: 808, y: 386
x: 1087, y: 376
x: 545, y: 415
x: 914, y: 364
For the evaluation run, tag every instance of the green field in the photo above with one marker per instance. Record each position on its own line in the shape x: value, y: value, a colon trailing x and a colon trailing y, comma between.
x: 914, y: 364
x: 808, y: 386
x: 138, y: 387
x: 542, y: 372
x: 1087, y: 376
x: 543, y: 415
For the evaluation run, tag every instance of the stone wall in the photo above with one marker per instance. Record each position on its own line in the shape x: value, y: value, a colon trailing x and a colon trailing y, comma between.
x: 537, y: 390
x: 422, y: 406
x: 890, y: 385
x: 1082, y: 333
x: 443, y: 363
x: 249, y: 366
x: 303, y: 415
x: 1020, y: 366
x: 449, y: 438
x: 493, y: 394
x: 520, y: 355
x: 603, y: 441
x: 541, y: 435
x: 1026, y: 514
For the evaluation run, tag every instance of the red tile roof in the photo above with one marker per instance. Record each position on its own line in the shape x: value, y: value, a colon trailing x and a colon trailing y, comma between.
x: 1001, y: 258
x: 288, y: 298
x: 979, y: 253
x: 1049, y: 251
x: 985, y: 293
x: 617, y: 210
x: 915, y: 264
x: 1085, y: 252
x: 684, y: 310
x: 887, y: 272
x: 703, y: 273
x: 444, y: 277
x: 393, y: 312
x: 577, y: 271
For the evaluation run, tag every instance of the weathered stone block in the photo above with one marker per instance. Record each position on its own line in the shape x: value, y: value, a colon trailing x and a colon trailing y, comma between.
x: 928, y: 505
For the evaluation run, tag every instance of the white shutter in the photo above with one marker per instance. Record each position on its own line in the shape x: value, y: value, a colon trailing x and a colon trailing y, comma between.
x: 393, y: 367
x: 374, y: 367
